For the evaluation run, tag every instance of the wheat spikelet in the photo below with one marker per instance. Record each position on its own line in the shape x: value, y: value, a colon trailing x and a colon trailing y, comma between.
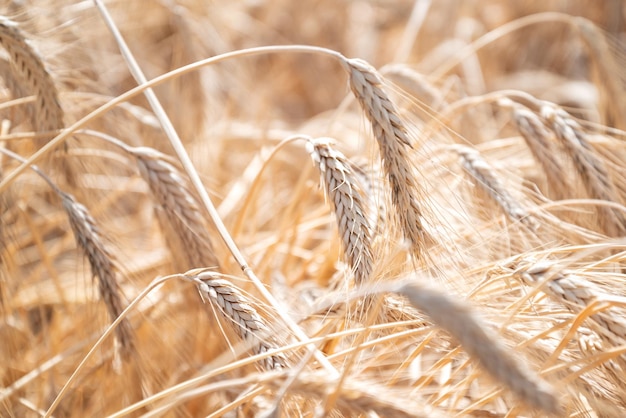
x: 459, y: 320
x: 393, y: 141
x: 348, y: 204
x: 102, y: 265
x: 590, y: 167
x: 241, y: 315
x: 29, y: 75
x: 476, y: 166
x: 575, y: 293
x: 181, y: 211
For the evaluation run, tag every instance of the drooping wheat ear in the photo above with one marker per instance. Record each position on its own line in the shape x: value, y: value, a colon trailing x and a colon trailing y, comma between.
x: 184, y: 222
x: 102, y: 265
x: 540, y: 142
x: 241, y: 315
x: 29, y: 75
x: 393, y: 141
x: 590, y: 167
x: 415, y: 84
x: 460, y: 321
x: 575, y: 293
x: 349, y: 206
x: 484, y: 174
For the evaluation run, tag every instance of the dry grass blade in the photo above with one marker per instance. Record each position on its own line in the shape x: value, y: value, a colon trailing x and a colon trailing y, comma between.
x: 590, y: 167
x: 575, y: 293
x: 393, y: 141
x: 29, y: 74
x: 486, y: 178
x: 241, y: 316
x: 102, y: 265
x: 459, y: 320
x: 348, y: 203
x: 180, y: 208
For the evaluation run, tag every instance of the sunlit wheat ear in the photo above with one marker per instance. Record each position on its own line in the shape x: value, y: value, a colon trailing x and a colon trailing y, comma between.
x: 180, y: 209
x: 28, y: 75
x: 349, y: 206
x: 540, y: 142
x: 486, y: 178
x: 590, y: 167
x: 575, y: 293
x: 240, y: 314
x: 393, y: 141
x: 102, y: 265
x: 460, y: 321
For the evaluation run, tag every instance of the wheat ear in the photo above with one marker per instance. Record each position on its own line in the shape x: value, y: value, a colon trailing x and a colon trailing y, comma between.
x: 241, y: 315
x: 540, y: 142
x: 349, y: 206
x: 182, y: 213
x: 102, y: 265
x: 590, y: 167
x: 575, y: 293
x: 459, y: 320
x: 393, y: 141
x: 29, y: 74
x: 484, y: 174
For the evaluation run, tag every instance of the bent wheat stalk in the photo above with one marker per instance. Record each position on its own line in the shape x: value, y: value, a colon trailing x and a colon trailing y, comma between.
x: 348, y: 203
x: 393, y: 141
x: 240, y: 315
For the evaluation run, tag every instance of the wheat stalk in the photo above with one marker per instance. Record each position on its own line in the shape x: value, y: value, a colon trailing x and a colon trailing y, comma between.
x: 460, y: 321
x: 89, y: 239
x: 241, y: 315
x: 29, y: 74
x: 394, y: 144
x: 181, y: 212
x: 590, y: 167
x: 484, y: 174
x: 349, y: 206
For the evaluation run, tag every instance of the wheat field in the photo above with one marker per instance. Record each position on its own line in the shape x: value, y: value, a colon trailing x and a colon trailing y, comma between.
x: 273, y: 208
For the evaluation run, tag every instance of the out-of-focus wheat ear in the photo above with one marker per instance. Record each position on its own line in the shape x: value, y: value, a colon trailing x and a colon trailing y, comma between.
x: 180, y: 210
x: 28, y: 75
x: 460, y: 321
x: 241, y: 315
x: 102, y: 264
x: 575, y: 293
x: 605, y: 73
x: 394, y: 144
x: 484, y: 175
x: 590, y: 167
x: 373, y: 187
x: 349, y: 206
x: 539, y: 140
